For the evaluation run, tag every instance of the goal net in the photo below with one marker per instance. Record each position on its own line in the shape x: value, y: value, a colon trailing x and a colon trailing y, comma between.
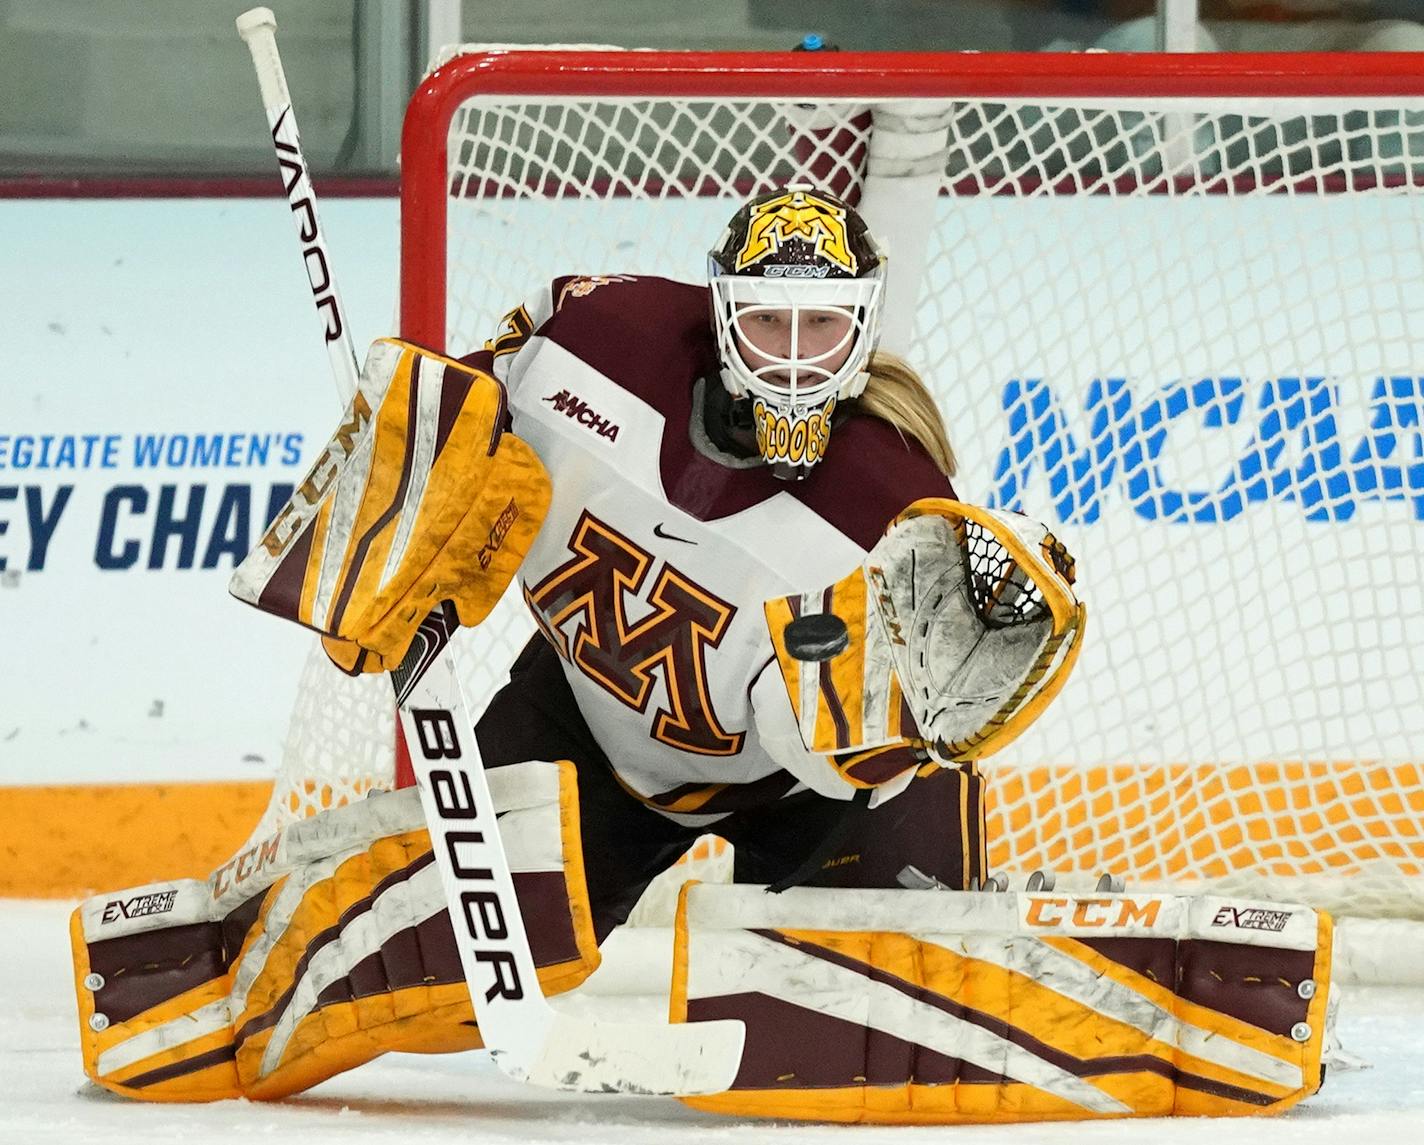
x: 1172, y: 305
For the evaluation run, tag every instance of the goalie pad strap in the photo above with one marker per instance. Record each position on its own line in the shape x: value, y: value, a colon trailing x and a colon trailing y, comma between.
x: 937, y: 1007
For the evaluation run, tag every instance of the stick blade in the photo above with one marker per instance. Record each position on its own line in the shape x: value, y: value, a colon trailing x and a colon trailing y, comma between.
x: 592, y: 1056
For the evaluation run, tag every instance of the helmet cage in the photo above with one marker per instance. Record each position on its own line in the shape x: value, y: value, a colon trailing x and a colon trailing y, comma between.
x: 786, y: 383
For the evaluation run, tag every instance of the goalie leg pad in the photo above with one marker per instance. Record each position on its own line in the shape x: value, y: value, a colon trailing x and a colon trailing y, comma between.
x: 148, y: 963
x: 935, y: 1007
x: 340, y: 950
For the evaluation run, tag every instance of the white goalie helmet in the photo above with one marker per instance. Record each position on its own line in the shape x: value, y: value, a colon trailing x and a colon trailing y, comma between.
x: 797, y: 283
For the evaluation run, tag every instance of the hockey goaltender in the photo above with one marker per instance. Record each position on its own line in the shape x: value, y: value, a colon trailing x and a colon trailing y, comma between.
x: 760, y: 607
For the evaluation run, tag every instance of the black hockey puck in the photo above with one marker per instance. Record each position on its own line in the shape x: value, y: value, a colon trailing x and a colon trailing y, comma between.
x: 816, y: 637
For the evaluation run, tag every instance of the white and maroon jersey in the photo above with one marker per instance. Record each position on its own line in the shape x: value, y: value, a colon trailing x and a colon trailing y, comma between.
x: 652, y: 567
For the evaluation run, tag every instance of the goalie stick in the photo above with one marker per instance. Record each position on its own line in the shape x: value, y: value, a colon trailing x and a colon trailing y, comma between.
x: 529, y: 1039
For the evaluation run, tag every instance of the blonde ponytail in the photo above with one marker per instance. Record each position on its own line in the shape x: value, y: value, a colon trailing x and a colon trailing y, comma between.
x: 896, y: 394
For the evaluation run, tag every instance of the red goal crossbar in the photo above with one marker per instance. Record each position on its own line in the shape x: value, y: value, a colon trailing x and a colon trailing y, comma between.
x: 806, y: 76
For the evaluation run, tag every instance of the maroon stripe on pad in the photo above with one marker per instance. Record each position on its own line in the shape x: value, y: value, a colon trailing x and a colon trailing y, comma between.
x: 183, y: 1068
x: 144, y: 970
x: 792, y: 1047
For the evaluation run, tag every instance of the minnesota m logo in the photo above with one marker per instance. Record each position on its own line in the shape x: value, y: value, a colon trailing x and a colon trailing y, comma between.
x: 621, y: 657
x: 797, y: 215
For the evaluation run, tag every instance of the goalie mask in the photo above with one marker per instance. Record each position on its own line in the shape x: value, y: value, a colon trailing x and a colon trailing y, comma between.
x: 796, y: 284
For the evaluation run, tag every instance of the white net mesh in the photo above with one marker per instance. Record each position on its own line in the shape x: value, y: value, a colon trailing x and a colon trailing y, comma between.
x: 1189, y: 336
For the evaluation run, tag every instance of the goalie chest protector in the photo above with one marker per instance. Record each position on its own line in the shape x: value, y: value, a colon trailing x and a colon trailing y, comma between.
x: 655, y: 559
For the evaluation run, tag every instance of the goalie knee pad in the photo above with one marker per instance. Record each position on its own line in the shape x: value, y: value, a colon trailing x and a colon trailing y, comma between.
x: 317, y: 951
x: 937, y: 1007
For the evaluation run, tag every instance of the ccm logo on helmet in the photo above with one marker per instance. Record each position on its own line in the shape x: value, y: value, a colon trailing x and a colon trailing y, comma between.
x: 795, y: 270
x: 481, y: 916
x: 797, y: 215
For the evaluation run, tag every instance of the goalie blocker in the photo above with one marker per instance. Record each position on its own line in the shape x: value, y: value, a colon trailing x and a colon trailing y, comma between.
x: 419, y: 498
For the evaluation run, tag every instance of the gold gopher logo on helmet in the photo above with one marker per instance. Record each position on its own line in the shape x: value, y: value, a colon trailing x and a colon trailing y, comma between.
x: 797, y: 215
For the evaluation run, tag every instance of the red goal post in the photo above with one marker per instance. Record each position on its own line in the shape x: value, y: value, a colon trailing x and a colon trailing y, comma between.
x: 1173, y: 304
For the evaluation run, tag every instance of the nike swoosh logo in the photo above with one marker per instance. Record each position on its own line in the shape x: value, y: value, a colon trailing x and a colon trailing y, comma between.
x: 658, y: 532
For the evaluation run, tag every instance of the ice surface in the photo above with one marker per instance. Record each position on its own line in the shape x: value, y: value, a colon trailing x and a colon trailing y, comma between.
x: 463, y: 1099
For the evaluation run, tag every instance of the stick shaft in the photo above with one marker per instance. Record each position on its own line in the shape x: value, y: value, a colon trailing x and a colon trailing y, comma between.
x: 258, y: 28
x: 499, y: 966
x: 530, y: 1039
